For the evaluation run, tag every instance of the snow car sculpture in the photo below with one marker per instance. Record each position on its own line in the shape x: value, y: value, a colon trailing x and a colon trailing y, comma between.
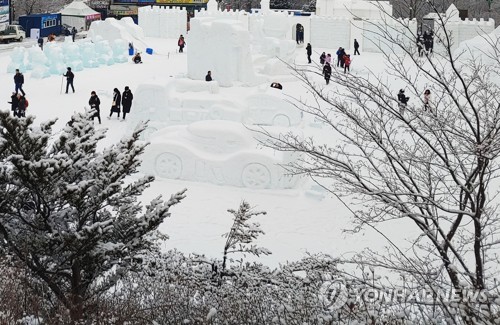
x: 219, y: 152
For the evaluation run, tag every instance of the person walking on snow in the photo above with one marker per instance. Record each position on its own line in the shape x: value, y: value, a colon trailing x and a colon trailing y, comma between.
x: 327, y: 72
x: 356, y: 47
x: 340, y: 57
x: 328, y: 59
x: 402, y: 101
x: 19, y: 81
x: 322, y: 58
x: 73, y: 33
x: 115, y: 106
x: 309, y: 52
x: 127, y: 98
x: 14, y: 101
x: 347, y: 63
x: 427, y: 99
x: 181, y: 43
x: 21, y: 106
x: 69, y: 79
x: 95, y: 103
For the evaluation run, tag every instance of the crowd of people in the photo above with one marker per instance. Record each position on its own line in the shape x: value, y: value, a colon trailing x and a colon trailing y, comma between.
x: 122, y: 102
x: 344, y: 62
x: 425, y: 41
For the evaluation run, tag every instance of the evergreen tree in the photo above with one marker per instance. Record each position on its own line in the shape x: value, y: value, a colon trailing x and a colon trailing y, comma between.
x: 280, y: 4
x: 68, y: 212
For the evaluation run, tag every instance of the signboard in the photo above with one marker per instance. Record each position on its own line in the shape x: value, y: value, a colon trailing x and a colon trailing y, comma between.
x: 123, y: 10
x: 181, y: 1
x: 4, y: 14
x: 98, y: 4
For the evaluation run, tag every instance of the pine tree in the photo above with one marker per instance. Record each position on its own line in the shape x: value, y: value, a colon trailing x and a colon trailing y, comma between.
x: 68, y: 212
x: 280, y: 4
x: 243, y: 233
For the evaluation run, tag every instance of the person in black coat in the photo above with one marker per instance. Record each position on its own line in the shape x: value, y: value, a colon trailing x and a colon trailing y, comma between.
x: 420, y: 46
x: 19, y: 81
x: 73, y: 33
x: 95, y: 103
x: 309, y: 52
x: 21, y: 106
x: 322, y: 58
x: 127, y: 98
x: 403, y: 101
x: 115, y: 106
x: 14, y: 101
x: 327, y: 72
x: 40, y: 42
x: 356, y: 47
x: 69, y: 79
x: 208, y: 77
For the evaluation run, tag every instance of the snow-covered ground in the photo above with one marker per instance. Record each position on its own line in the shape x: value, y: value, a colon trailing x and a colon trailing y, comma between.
x: 298, y: 220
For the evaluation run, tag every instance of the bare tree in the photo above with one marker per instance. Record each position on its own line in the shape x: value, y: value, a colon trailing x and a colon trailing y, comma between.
x: 28, y: 7
x: 434, y: 166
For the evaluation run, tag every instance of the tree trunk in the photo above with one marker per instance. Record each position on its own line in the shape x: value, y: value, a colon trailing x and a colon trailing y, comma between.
x: 76, y: 311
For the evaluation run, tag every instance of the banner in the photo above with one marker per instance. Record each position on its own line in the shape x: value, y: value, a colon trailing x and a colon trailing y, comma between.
x: 98, y: 4
x: 181, y: 1
x: 123, y: 10
x: 4, y: 14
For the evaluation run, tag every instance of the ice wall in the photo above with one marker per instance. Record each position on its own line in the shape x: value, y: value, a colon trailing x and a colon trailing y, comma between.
x: 353, y: 8
x: 164, y: 22
x: 460, y: 30
x: 221, y: 46
x: 56, y: 57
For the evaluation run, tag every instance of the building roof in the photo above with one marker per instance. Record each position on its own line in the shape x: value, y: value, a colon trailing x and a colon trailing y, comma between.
x: 78, y: 8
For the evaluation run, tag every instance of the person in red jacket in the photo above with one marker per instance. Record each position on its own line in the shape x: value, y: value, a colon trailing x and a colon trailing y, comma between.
x: 347, y: 62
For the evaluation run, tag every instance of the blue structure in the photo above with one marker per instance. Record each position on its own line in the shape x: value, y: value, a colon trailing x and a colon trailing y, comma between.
x: 47, y: 23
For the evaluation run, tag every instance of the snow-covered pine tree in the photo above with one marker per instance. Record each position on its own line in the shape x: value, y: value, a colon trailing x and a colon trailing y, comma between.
x: 243, y: 233
x: 67, y: 211
x: 280, y: 4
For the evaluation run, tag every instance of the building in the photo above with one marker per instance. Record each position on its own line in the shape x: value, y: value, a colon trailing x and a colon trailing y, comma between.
x: 46, y: 23
x: 129, y: 8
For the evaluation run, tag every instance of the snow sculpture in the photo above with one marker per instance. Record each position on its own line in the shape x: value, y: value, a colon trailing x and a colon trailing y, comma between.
x: 88, y: 54
x: 158, y: 21
x: 120, y: 50
x: 56, y: 57
x: 104, y: 52
x: 112, y: 29
x: 222, y: 46
x: 183, y: 101
x: 460, y: 30
x: 37, y: 60
x: 72, y: 56
x: 480, y: 51
x: 212, y: 6
x: 17, y: 60
x: 219, y: 152
x: 271, y: 108
x: 54, y: 53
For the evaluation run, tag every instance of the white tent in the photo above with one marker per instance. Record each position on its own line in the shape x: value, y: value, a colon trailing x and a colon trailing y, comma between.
x: 77, y: 14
